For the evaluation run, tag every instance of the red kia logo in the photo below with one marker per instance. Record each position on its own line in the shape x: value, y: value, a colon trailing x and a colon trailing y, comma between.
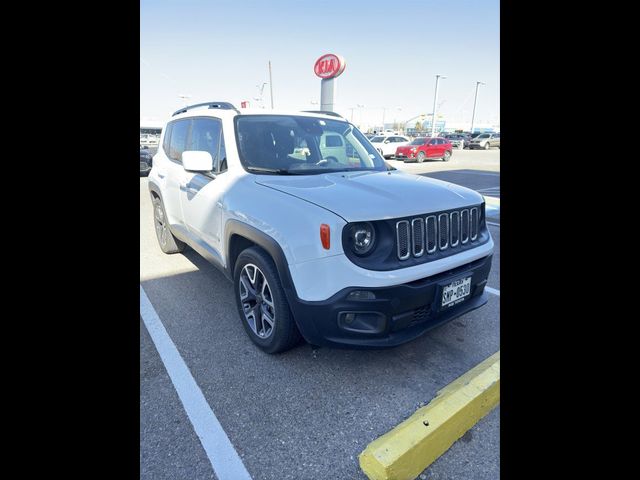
x: 329, y: 66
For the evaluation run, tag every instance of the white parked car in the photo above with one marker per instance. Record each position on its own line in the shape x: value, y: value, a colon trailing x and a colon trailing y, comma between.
x: 387, y: 144
x: 320, y: 239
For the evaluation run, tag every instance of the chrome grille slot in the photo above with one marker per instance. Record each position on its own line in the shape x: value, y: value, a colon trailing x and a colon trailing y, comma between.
x: 402, y: 237
x: 474, y: 223
x: 464, y: 226
x: 417, y: 236
x: 431, y: 232
x: 443, y: 229
x: 438, y: 232
x: 455, y: 228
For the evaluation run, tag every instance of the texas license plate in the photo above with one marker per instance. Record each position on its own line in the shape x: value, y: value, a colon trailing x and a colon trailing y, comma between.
x: 456, y: 292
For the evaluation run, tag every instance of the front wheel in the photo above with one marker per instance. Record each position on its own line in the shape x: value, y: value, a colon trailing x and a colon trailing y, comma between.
x: 421, y: 156
x: 447, y: 156
x: 262, y: 303
x: 487, y: 146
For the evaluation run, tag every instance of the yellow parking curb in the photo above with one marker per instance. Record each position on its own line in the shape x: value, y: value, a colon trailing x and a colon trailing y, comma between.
x: 405, y: 451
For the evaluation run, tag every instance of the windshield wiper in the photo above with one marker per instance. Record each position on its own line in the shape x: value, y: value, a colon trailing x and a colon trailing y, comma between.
x: 278, y: 171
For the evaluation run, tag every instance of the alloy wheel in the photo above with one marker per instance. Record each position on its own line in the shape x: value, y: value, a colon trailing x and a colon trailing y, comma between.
x: 257, y: 301
x: 160, y: 224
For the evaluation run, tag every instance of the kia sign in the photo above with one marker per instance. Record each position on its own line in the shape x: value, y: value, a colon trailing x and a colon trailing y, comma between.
x: 329, y: 66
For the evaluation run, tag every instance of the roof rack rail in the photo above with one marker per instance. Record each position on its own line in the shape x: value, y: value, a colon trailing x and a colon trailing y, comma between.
x: 220, y: 105
x: 324, y: 112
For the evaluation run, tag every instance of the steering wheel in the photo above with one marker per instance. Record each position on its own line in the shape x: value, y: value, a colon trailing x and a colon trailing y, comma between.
x: 327, y: 160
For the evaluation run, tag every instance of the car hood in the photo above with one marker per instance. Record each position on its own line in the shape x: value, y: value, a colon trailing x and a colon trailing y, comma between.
x: 361, y: 196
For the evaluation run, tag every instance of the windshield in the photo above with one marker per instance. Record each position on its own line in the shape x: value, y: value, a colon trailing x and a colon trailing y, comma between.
x: 484, y: 135
x: 419, y: 141
x: 378, y: 139
x: 297, y: 145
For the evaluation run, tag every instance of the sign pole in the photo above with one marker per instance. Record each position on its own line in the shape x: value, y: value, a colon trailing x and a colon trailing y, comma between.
x: 328, y: 68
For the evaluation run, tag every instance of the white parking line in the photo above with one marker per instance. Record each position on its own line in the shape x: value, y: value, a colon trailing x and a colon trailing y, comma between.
x: 224, y: 459
x: 493, y: 223
x: 492, y: 290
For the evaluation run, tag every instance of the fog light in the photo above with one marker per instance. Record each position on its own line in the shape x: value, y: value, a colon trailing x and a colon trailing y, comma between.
x: 361, y: 295
x: 362, y: 322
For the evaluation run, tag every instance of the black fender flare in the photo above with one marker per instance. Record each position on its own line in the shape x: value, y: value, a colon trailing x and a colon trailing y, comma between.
x: 269, y: 244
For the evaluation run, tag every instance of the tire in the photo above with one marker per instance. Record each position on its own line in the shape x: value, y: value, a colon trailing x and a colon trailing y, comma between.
x: 487, y: 146
x: 168, y: 243
x: 282, y: 333
x: 447, y: 156
x: 420, y: 157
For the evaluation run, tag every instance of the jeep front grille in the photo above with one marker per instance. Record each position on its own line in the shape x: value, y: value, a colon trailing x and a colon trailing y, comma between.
x: 439, y: 232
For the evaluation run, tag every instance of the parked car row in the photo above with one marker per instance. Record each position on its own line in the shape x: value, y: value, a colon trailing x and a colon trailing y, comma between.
x: 387, y: 143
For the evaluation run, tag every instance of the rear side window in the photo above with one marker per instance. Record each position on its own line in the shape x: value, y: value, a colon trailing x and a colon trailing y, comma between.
x: 205, y: 136
x: 167, y: 139
x: 333, y: 141
x: 178, y: 142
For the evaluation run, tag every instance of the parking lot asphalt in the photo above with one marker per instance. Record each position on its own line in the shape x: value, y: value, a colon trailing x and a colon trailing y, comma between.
x: 307, y: 413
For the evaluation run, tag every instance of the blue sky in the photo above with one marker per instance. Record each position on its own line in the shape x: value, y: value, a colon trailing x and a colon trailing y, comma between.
x: 219, y: 49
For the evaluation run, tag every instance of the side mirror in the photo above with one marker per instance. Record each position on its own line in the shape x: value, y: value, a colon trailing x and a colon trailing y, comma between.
x: 197, y: 161
x: 386, y: 141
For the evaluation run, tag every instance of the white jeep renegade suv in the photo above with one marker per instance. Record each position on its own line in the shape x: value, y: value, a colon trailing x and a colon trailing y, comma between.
x: 319, y: 238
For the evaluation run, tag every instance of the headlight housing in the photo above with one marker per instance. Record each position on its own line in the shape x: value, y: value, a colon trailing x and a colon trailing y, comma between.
x: 362, y: 238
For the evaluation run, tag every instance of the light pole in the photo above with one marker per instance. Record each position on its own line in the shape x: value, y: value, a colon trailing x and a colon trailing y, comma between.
x: 395, y: 124
x: 271, y: 84
x: 475, y: 100
x: 360, y: 106
x: 384, y: 109
x: 260, y: 90
x: 435, y: 100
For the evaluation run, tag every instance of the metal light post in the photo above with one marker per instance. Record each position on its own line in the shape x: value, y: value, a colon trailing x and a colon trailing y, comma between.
x: 395, y: 124
x: 271, y: 84
x: 384, y: 109
x: 475, y: 100
x: 360, y: 107
x: 435, y: 100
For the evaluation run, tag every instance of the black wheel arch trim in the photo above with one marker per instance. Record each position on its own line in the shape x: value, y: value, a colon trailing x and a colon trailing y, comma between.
x: 154, y: 188
x: 269, y: 244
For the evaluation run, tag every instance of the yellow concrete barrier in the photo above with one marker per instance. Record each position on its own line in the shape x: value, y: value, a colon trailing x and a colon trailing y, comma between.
x: 405, y: 451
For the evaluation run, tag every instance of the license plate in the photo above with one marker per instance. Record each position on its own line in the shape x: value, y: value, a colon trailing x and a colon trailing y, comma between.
x: 456, y: 292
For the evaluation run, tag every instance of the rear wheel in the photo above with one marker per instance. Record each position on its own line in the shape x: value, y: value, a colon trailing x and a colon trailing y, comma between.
x: 421, y: 156
x: 447, y: 156
x: 262, y: 303
x: 168, y: 243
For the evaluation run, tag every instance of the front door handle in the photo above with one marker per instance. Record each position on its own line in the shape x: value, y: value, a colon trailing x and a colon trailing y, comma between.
x: 186, y: 187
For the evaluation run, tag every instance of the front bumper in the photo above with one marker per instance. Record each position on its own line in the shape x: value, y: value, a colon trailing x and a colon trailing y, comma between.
x: 397, y: 315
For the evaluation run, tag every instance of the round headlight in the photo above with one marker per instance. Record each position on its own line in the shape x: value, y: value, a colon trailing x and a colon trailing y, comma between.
x: 363, y: 237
